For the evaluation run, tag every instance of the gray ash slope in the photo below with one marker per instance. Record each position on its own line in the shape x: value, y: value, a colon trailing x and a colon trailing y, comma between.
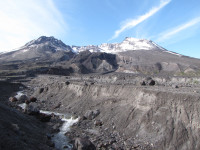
x: 130, y: 56
x: 146, y: 117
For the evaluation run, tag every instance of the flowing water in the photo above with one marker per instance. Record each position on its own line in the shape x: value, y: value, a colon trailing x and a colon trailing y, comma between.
x: 61, y: 141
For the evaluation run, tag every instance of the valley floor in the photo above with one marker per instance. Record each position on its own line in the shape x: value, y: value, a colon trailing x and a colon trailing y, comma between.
x: 131, y: 114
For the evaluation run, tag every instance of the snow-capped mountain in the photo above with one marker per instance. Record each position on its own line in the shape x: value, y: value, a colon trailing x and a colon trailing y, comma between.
x: 44, y: 44
x: 128, y: 44
x: 91, y: 48
x: 50, y: 42
x: 131, y: 55
x: 43, y: 48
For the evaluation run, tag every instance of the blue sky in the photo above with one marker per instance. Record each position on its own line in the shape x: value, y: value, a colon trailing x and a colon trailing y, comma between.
x: 173, y: 24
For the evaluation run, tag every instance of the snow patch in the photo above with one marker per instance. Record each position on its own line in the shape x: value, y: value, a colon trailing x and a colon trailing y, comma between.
x: 173, y: 53
x: 23, y: 105
x: 25, y: 50
x: 19, y: 94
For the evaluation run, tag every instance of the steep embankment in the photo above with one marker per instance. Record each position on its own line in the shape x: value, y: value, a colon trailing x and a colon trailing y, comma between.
x: 21, y: 132
x: 159, y: 116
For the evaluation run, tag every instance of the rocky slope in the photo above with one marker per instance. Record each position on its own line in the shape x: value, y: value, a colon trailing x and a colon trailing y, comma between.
x: 21, y: 132
x: 146, y: 117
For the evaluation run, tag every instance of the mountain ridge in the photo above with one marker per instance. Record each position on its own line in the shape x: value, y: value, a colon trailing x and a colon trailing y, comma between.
x: 129, y: 43
x: 130, y: 56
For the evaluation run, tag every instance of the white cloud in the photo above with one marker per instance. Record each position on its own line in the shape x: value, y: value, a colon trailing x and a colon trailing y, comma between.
x: 172, y: 32
x: 23, y: 20
x: 133, y: 22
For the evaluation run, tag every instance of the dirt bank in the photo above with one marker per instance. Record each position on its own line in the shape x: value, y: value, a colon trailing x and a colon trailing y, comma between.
x: 159, y: 116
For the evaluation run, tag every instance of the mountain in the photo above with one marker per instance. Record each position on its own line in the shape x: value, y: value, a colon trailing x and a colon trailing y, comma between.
x: 145, y: 56
x: 42, y: 49
x: 139, y: 55
x: 130, y: 56
x: 128, y: 44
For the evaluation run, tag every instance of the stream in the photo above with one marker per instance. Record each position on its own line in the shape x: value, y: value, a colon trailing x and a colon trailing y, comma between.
x: 61, y: 141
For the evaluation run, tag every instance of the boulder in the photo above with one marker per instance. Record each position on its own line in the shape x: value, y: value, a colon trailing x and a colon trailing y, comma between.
x: 50, y: 143
x: 98, y: 123
x: 83, y: 144
x: 15, y: 127
x: 32, y: 109
x: 27, y: 102
x: 148, y: 81
x: 175, y: 86
x: 67, y: 82
x: 151, y: 82
x: 57, y: 106
x: 12, y: 99
x: 143, y: 83
x: 33, y: 99
x: 44, y: 117
x: 91, y: 114
x: 41, y: 90
x: 22, y: 98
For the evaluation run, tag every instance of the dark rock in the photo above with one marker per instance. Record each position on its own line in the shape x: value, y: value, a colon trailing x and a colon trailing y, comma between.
x: 91, y: 114
x: 83, y: 118
x: 100, y: 145
x: 83, y: 144
x: 44, y: 117
x: 92, y: 83
x: 67, y: 82
x: 50, y: 143
x: 143, y: 83
x: 175, y: 86
x: 15, y: 127
x: 41, y: 90
x: 96, y: 112
x: 151, y: 82
x: 33, y: 99
x: 64, y: 147
x: 49, y: 136
x: 22, y: 98
x: 27, y: 101
x: 12, y: 99
x: 32, y: 109
x: 56, y: 126
x: 85, y: 83
x: 57, y: 106
x: 98, y: 123
x: 148, y: 81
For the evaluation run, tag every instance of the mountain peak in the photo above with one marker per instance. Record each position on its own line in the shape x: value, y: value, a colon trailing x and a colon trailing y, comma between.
x: 131, y: 39
x: 129, y: 43
x: 46, y: 40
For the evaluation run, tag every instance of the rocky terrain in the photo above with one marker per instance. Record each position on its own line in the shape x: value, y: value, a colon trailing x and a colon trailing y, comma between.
x: 120, y: 111
x: 128, y: 95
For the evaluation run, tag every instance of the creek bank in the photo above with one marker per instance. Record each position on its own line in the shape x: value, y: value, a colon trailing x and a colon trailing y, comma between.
x: 60, y: 124
x: 22, y: 132
x: 62, y: 142
x: 145, y: 117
